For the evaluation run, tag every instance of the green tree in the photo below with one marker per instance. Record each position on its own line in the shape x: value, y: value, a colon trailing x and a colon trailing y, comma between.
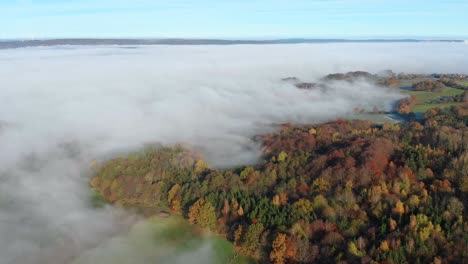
x: 246, y: 172
x: 302, y: 209
x: 251, y: 242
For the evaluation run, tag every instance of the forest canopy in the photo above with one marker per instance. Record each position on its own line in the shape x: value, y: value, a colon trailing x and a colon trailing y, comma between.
x: 338, y: 192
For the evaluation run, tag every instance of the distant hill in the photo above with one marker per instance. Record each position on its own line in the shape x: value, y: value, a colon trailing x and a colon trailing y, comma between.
x: 11, y: 44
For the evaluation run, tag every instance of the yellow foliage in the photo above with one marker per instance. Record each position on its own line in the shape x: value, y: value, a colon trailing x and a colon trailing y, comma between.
x: 201, y: 166
x: 353, y: 250
x: 390, y: 127
x: 384, y: 188
x: 399, y: 209
x: 404, y: 193
x: 302, y: 207
x: 319, y: 202
x: 173, y: 192
x: 194, y: 209
x: 298, y: 230
x: 246, y: 172
x: 282, y: 156
x: 202, y: 213
x: 424, y: 226
x: 321, y: 184
x: 393, y: 224
x: 425, y: 232
x: 384, y: 246
x: 279, y: 248
x: 413, y: 201
x: 276, y: 200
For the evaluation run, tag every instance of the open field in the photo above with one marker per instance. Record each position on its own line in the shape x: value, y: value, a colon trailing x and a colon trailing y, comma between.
x: 424, y: 107
x: 425, y: 98
x: 164, y: 240
x: 464, y: 82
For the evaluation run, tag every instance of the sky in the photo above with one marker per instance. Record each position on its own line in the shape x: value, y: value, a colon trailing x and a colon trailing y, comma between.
x: 235, y: 19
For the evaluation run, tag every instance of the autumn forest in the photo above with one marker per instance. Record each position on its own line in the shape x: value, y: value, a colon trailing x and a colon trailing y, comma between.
x: 338, y: 192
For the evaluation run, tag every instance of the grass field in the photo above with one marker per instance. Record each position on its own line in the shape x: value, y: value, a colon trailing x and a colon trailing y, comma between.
x: 163, y: 240
x: 464, y: 82
x: 425, y: 98
x: 424, y: 107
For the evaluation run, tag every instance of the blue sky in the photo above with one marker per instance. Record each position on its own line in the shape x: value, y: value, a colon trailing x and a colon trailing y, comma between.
x: 234, y: 19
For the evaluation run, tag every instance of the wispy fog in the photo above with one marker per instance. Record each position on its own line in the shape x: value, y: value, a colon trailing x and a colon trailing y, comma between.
x: 62, y: 107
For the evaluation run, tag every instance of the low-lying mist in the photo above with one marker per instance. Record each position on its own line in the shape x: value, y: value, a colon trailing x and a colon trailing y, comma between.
x: 62, y: 107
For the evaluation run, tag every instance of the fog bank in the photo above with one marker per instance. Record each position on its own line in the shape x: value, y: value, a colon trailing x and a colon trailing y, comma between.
x: 62, y: 107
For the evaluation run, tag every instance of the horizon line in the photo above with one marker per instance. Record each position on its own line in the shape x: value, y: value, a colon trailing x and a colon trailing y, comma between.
x: 33, y: 38
x: 23, y: 43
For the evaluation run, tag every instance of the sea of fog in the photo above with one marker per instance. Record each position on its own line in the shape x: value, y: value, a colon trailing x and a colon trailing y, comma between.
x: 63, y: 107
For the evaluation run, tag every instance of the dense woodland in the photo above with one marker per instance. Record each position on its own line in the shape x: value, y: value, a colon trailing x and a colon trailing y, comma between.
x: 339, y: 192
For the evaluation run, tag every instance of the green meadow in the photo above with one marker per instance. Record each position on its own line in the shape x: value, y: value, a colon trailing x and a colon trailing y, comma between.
x: 424, y: 101
x: 163, y: 240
